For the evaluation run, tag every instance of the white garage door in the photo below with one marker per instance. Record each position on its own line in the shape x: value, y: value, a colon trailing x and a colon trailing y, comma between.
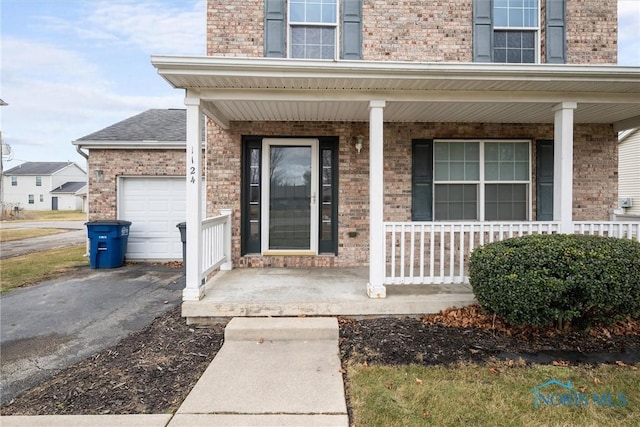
x: 154, y: 205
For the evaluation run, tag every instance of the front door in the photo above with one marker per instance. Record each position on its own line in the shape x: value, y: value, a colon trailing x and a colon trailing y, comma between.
x: 54, y: 203
x: 289, y: 196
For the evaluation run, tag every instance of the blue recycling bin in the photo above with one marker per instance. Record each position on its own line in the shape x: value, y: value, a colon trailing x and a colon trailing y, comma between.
x: 108, y: 243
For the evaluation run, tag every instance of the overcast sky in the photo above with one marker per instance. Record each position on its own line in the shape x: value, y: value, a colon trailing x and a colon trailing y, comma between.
x: 72, y: 67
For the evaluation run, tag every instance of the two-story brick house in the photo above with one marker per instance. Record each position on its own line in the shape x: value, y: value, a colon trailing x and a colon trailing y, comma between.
x: 399, y: 134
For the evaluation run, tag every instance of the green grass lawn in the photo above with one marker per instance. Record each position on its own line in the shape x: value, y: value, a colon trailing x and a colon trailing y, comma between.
x: 497, y: 395
x: 55, y: 215
x: 33, y: 268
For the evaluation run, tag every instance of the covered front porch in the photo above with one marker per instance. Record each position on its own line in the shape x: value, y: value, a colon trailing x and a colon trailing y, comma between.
x: 254, y: 105
x: 314, y: 292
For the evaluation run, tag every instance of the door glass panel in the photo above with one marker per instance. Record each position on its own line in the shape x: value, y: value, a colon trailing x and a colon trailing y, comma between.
x: 290, y: 198
x: 327, y: 189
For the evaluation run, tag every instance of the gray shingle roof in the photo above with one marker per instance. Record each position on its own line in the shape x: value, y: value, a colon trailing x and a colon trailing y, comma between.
x: 154, y: 124
x: 69, y: 187
x: 37, y: 168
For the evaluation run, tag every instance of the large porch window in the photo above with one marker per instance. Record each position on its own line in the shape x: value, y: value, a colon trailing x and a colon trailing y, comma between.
x: 289, y: 196
x: 471, y: 180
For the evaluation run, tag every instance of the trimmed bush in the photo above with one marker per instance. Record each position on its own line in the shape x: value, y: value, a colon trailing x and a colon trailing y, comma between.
x: 542, y: 280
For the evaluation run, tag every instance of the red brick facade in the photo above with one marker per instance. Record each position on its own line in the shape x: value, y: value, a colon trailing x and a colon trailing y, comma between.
x: 595, y: 181
x: 419, y: 31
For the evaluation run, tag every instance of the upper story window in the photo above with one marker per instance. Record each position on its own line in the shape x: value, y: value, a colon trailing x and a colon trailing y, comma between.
x: 509, y: 31
x: 515, y: 31
x: 38, y: 181
x: 14, y: 181
x: 313, y: 29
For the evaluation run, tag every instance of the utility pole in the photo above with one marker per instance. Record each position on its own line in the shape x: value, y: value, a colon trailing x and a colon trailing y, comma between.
x: 3, y: 147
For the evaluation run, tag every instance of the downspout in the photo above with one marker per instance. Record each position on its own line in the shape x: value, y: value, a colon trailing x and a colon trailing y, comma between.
x: 82, y: 153
x: 86, y: 156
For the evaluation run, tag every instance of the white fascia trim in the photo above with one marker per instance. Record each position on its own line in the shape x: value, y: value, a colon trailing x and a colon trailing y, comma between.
x: 131, y: 145
x: 288, y: 68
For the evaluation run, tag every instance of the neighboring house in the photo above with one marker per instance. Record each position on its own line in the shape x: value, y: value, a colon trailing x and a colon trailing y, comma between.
x: 137, y: 173
x: 629, y: 173
x: 45, y: 186
x: 397, y: 135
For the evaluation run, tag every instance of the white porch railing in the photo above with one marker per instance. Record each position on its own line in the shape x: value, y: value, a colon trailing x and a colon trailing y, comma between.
x: 216, y: 243
x: 621, y: 229
x: 438, y: 252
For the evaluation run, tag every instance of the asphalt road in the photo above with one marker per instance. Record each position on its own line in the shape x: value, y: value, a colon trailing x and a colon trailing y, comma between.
x: 47, y: 327
x: 74, y: 233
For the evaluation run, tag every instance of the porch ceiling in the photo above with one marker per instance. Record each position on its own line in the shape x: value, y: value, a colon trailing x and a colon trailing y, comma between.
x: 266, y: 89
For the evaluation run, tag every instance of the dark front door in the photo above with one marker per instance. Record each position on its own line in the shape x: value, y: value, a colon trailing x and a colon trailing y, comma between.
x: 54, y: 203
x: 289, y: 196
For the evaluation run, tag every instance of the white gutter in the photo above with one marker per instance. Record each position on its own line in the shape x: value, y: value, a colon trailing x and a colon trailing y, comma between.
x: 288, y: 68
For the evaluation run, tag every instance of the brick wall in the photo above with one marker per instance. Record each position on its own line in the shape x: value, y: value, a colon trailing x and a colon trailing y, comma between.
x: 433, y: 31
x: 592, y: 31
x: 414, y: 30
x: 116, y: 163
x: 235, y: 28
x: 595, y: 181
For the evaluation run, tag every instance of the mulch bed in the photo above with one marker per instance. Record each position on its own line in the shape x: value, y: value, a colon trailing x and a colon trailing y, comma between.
x: 153, y: 371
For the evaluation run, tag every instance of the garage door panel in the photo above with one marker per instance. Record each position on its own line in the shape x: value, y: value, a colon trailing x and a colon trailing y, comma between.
x: 154, y: 205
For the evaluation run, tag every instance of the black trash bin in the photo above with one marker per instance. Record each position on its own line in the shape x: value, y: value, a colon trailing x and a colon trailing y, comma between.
x: 108, y: 243
x: 182, y: 226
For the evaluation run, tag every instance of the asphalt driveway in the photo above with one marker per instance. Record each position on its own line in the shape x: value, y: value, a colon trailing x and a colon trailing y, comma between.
x: 47, y: 327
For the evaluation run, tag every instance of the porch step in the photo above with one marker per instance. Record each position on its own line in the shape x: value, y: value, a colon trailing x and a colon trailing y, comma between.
x: 281, y: 329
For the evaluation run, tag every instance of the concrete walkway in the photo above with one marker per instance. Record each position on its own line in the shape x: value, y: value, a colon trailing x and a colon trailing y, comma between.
x: 269, y: 372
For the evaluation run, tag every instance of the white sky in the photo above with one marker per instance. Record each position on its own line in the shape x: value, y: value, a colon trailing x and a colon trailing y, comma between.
x: 72, y: 67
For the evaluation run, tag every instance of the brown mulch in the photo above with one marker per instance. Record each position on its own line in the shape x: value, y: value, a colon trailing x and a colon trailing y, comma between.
x: 152, y: 371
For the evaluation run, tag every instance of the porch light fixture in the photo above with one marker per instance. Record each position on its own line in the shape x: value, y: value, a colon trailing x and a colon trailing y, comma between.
x: 98, y: 175
x: 359, y: 142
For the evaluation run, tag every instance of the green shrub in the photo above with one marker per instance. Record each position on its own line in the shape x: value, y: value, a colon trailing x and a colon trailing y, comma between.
x: 542, y: 280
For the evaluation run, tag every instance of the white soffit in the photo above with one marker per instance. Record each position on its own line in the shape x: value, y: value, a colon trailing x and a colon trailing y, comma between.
x: 267, y: 89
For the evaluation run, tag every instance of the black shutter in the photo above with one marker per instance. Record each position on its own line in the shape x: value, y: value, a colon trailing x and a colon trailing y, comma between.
x: 422, y: 180
x: 274, y: 29
x: 482, y: 30
x: 351, y: 29
x: 544, y: 180
x: 555, y: 32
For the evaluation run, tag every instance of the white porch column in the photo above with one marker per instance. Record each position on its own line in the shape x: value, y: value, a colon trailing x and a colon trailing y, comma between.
x: 194, y: 289
x: 563, y: 166
x: 227, y: 241
x: 375, y: 287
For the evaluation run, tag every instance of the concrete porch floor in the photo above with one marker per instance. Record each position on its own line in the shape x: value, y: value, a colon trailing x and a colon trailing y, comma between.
x: 254, y: 292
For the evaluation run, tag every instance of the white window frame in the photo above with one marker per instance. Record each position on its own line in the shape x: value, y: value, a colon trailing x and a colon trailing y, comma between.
x: 536, y: 30
x: 38, y: 181
x: 31, y: 198
x: 14, y: 181
x: 336, y: 25
x: 482, y: 182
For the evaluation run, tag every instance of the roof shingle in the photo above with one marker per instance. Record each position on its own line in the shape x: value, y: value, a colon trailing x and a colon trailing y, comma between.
x: 151, y: 125
x: 37, y: 168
